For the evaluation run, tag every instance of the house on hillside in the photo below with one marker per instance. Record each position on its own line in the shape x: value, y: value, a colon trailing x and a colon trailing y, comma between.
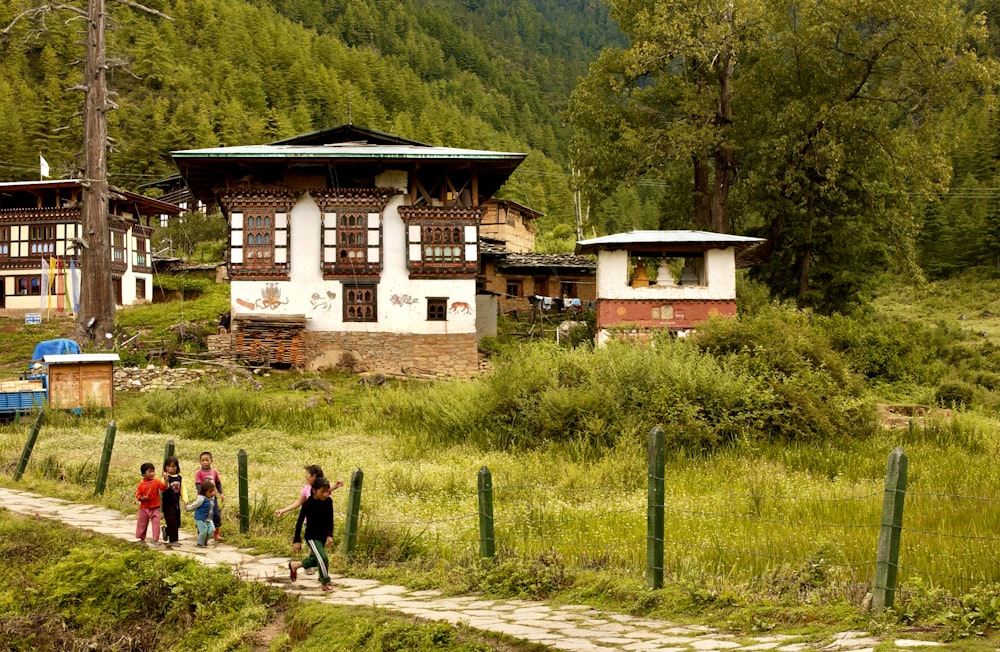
x: 654, y: 280
x: 41, y: 221
x: 350, y: 245
x: 522, y: 280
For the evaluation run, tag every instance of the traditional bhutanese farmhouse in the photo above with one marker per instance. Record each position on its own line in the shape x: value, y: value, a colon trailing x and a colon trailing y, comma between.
x: 658, y: 280
x: 352, y: 245
x: 520, y: 279
x: 41, y: 225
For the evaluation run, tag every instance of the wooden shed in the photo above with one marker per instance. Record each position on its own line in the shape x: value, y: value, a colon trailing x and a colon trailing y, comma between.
x: 81, y: 380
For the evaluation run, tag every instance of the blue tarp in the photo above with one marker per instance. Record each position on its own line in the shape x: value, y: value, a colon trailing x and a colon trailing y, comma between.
x: 54, y: 347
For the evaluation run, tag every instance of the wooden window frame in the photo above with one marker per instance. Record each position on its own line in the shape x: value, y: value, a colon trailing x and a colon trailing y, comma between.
x: 28, y: 286
x: 442, y: 241
x: 360, y: 302
x: 267, y: 260
x: 437, y: 309
x: 42, y: 239
x: 351, y: 231
x: 141, y: 253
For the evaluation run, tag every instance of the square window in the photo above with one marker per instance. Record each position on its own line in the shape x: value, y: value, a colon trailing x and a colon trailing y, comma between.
x: 437, y: 309
x: 514, y: 289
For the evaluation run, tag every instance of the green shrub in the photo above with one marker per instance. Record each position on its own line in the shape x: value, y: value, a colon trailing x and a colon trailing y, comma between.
x: 772, y: 377
x: 514, y: 577
x: 954, y: 394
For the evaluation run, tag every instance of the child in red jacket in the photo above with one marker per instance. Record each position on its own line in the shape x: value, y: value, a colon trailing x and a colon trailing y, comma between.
x: 148, y: 495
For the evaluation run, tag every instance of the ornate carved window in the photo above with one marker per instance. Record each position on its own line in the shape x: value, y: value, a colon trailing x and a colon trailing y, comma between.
x: 442, y: 241
x: 141, y: 254
x: 352, y: 230
x: 118, y: 261
x: 259, y: 232
x: 360, y: 302
x: 42, y: 239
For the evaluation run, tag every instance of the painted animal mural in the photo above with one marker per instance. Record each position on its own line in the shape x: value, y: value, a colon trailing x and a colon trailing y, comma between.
x: 460, y: 307
x: 403, y: 299
x: 320, y: 302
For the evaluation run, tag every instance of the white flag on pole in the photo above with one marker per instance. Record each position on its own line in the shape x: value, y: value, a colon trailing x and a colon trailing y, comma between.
x: 43, y: 165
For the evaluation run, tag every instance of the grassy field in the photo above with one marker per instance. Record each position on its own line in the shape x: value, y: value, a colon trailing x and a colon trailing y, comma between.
x: 762, y: 534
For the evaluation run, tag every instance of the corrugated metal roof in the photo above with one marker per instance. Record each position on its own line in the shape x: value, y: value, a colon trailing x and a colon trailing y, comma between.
x: 665, y: 238
x: 346, y: 150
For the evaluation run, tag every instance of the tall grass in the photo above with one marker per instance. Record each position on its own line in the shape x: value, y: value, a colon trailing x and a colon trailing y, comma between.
x: 774, y: 478
x: 701, y: 395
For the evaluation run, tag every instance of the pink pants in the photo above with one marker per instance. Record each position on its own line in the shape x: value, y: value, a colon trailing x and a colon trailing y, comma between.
x: 148, y: 516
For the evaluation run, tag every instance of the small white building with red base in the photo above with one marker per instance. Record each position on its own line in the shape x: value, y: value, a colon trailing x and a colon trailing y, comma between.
x: 649, y: 281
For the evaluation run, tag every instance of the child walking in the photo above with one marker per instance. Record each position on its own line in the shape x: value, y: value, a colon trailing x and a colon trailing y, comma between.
x: 317, y: 514
x: 202, y: 508
x: 313, y: 471
x: 209, y: 474
x: 173, y: 499
x: 148, y: 495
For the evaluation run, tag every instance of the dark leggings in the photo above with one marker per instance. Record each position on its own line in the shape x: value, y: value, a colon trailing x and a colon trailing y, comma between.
x: 172, y: 518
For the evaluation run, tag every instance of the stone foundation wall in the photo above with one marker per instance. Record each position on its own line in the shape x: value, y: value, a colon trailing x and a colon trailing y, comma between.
x: 393, y: 353
x: 144, y: 379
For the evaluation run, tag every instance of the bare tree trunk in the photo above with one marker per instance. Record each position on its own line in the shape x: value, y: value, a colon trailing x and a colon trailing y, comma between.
x: 97, y: 300
x: 702, y: 194
x: 722, y: 155
x: 806, y: 262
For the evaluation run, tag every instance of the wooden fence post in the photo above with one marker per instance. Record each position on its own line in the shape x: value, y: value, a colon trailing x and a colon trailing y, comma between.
x: 353, y: 508
x: 484, y: 481
x: 241, y: 457
x: 102, y: 471
x: 168, y: 451
x: 654, y: 509
x: 887, y: 557
x: 29, y: 446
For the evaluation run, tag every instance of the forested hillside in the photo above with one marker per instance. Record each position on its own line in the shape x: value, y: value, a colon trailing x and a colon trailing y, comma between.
x: 491, y: 75
x: 880, y: 131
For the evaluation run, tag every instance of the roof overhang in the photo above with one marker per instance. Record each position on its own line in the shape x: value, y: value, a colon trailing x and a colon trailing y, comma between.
x: 665, y: 242
x: 146, y: 205
x: 207, y: 170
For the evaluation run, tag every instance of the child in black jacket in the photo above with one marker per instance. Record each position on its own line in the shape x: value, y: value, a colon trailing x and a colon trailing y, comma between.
x: 317, y: 514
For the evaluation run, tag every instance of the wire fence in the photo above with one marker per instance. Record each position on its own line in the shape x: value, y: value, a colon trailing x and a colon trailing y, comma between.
x: 947, y: 540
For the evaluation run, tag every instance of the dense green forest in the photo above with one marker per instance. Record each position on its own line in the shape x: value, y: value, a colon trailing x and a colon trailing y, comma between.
x: 463, y: 74
x: 819, y: 123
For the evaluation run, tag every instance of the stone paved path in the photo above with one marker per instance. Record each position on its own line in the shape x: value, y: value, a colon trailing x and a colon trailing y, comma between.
x: 567, y: 627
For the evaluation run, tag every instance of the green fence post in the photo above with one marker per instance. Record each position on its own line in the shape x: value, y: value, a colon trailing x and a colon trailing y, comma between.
x: 168, y: 451
x: 353, y: 508
x: 887, y: 557
x: 241, y: 456
x: 29, y: 446
x: 654, y: 509
x: 487, y: 547
x: 102, y: 471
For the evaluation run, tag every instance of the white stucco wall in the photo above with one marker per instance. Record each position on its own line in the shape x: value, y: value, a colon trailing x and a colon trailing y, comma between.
x: 720, y: 277
x: 402, y: 301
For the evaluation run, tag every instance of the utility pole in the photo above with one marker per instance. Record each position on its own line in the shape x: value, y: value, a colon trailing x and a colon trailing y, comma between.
x: 96, y: 314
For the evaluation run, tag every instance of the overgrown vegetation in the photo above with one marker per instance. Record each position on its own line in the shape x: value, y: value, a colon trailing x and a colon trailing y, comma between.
x: 62, y: 589
x: 771, y: 419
